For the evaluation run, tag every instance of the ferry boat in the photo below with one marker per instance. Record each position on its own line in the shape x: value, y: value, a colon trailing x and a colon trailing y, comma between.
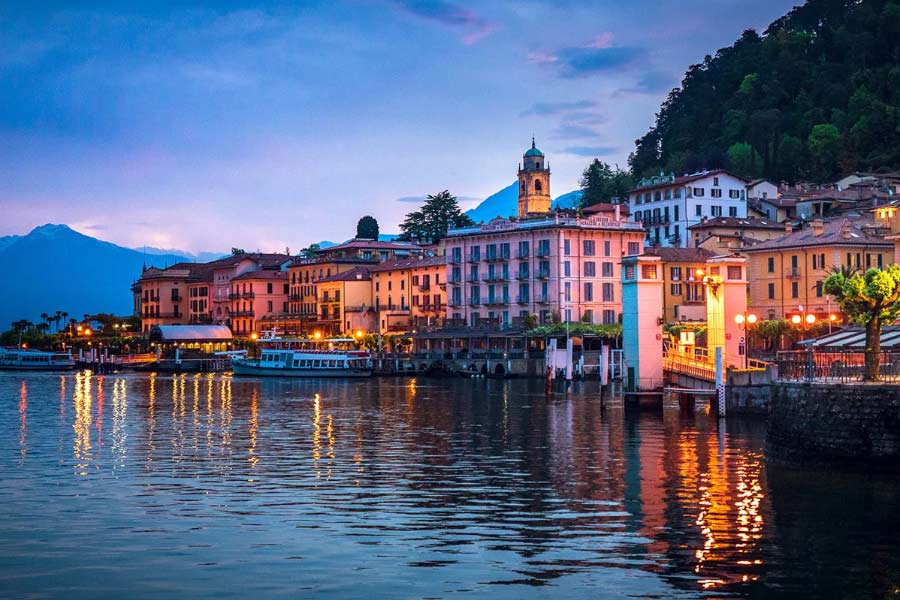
x: 294, y: 357
x: 22, y: 359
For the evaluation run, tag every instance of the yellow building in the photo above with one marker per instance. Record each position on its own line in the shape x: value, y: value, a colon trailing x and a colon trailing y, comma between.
x: 787, y: 274
x: 345, y: 303
x: 684, y: 298
x: 409, y: 293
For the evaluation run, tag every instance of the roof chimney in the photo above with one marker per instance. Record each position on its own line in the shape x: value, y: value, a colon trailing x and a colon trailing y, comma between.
x: 817, y: 226
x: 845, y: 230
x: 788, y: 228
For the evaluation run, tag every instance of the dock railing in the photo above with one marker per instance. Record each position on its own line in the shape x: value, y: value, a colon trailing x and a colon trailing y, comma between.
x: 841, y: 366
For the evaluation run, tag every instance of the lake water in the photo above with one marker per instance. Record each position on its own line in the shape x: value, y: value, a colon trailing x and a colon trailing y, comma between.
x: 208, y: 486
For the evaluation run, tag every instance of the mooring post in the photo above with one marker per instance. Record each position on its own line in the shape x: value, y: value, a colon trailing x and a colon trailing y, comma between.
x: 720, y: 382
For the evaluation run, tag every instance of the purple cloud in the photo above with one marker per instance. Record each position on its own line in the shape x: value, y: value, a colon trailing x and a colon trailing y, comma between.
x: 597, y: 56
x: 451, y: 15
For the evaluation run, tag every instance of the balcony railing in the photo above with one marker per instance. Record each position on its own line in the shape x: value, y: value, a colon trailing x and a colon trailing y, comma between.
x: 424, y: 287
x: 248, y: 295
x: 523, y: 254
x: 201, y: 319
x: 523, y: 275
x: 295, y: 297
x: 522, y: 299
x: 167, y: 315
x: 542, y: 273
x: 792, y: 274
x: 474, y: 258
x: 496, y: 277
x: 543, y: 252
x: 474, y: 301
x: 243, y: 313
x: 454, y: 260
x: 177, y: 297
x: 358, y: 309
x: 431, y: 307
x: 542, y: 299
x: 234, y: 296
x: 497, y: 301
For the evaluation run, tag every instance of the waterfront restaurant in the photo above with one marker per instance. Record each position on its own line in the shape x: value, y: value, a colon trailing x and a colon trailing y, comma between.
x: 201, y: 339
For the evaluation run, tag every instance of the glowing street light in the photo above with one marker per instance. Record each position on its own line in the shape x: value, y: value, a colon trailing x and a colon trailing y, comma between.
x: 745, y: 319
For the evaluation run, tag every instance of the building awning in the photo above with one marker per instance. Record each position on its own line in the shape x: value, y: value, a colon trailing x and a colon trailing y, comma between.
x: 854, y: 339
x: 190, y: 333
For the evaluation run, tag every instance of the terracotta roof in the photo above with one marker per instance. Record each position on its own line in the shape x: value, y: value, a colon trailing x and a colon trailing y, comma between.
x: 354, y: 274
x: 680, y: 254
x: 261, y: 274
x: 409, y: 263
x: 739, y: 222
x: 683, y: 179
x: 838, y: 232
x: 603, y: 207
x: 370, y: 245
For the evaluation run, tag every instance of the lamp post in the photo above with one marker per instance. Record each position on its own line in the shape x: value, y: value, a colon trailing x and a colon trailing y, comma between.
x: 744, y: 319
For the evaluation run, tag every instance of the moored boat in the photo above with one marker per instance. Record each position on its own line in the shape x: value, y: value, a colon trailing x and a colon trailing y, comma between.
x: 293, y: 357
x: 22, y: 359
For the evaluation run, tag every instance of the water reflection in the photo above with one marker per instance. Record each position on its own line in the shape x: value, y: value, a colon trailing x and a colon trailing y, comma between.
x: 441, y: 486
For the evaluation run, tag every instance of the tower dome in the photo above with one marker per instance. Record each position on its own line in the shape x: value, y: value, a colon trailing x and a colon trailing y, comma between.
x: 533, y: 151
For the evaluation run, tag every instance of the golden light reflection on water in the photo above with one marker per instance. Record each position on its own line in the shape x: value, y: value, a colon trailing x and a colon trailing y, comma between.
x: 119, y: 431
x: 23, y: 421
x: 728, y: 517
x: 317, y: 431
x: 82, y: 401
x: 151, y: 417
x: 252, y: 458
x: 225, y: 416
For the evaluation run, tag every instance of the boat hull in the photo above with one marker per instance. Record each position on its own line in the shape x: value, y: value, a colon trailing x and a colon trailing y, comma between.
x: 13, y: 367
x: 261, y: 371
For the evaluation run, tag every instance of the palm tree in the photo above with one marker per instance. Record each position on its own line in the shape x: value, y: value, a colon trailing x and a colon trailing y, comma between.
x: 46, y: 319
x: 56, y: 319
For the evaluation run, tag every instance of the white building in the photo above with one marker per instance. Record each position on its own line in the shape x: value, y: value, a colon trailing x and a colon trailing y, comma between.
x: 668, y: 205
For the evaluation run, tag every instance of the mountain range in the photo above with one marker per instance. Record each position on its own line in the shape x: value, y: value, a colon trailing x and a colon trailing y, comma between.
x: 56, y: 268
x: 505, y: 203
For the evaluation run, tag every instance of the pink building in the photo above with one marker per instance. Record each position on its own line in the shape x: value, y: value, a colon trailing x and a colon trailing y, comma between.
x: 547, y: 265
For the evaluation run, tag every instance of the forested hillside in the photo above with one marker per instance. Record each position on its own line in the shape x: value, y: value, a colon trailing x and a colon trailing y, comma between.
x: 815, y: 96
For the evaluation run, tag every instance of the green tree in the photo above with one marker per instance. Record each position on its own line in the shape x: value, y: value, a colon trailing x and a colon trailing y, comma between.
x: 745, y: 160
x: 440, y: 213
x: 824, y: 145
x: 235, y: 251
x: 367, y: 228
x: 600, y: 183
x: 310, y: 251
x: 869, y: 299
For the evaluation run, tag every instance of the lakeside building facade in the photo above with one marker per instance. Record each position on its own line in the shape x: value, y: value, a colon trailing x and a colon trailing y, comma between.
x: 683, y: 269
x: 257, y: 297
x: 667, y: 205
x: 409, y: 293
x: 548, y: 265
x: 196, y: 293
x: 788, y: 273
x: 727, y: 234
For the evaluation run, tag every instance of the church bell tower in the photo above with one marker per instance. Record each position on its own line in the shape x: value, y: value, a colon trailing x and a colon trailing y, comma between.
x: 534, y: 183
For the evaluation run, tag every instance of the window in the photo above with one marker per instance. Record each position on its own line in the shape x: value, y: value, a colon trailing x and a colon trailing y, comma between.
x: 732, y: 211
x: 589, y: 247
x: 698, y: 210
x: 590, y: 269
x: 715, y: 181
x: 675, y: 289
x: 567, y: 246
x: 818, y: 289
x: 677, y: 194
x: 607, y: 248
x: 880, y: 261
x: 795, y: 289
x: 734, y: 273
x: 648, y: 271
x: 771, y: 264
x: 608, y: 295
x: 634, y: 248
x: 537, y: 183
x: 568, y: 292
x: 588, y: 292
x: 793, y: 261
x: 715, y: 192
x: 698, y: 192
x: 268, y: 288
x: 734, y: 194
x: 675, y: 212
x: 675, y: 273
x: 609, y: 317
x: 567, y: 268
x: 716, y: 210
x: 607, y: 269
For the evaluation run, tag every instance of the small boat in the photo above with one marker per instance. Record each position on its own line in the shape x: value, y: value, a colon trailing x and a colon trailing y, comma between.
x: 21, y: 359
x: 295, y: 357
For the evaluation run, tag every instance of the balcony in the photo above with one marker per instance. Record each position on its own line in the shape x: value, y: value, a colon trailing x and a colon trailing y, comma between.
x: 542, y: 299
x: 792, y: 274
x: 431, y: 307
x: 248, y: 295
x: 358, y: 309
x: 295, y: 297
x: 201, y: 319
x: 522, y: 299
x: 497, y: 301
x: 243, y: 313
x: 543, y: 252
x: 523, y: 275
x: 424, y: 287
x: 167, y: 315
x: 454, y: 259
x: 474, y: 258
x: 523, y: 255
x: 398, y: 327
x: 455, y: 280
x: 496, y: 277
x: 177, y: 297
x: 496, y: 257
x: 474, y: 301
x: 542, y: 274
x: 234, y: 296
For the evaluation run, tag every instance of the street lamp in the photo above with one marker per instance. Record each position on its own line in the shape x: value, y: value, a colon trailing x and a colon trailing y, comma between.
x: 745, y: 319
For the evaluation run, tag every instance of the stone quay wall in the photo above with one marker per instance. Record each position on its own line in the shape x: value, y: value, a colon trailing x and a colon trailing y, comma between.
x: 829, y: 423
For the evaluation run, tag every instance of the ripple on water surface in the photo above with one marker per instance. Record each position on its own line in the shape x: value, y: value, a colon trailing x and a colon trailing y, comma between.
x: 208, y: 486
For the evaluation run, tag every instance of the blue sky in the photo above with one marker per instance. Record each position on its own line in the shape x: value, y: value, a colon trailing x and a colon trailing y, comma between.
x: 266, y: 125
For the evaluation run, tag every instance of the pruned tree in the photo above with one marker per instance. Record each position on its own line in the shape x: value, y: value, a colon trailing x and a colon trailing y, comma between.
x: 870, y: 299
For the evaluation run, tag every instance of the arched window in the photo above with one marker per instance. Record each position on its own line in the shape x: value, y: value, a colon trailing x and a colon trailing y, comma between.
x: 523, y: 185
x: 537, y: 185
